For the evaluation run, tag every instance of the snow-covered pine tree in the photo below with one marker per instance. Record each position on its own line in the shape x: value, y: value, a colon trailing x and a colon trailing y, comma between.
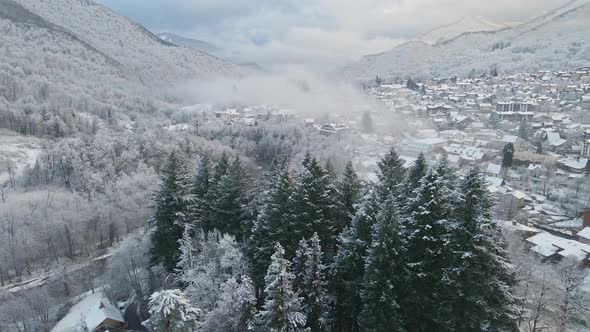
x: 219, y: 170
x: 310, y: 282
x: 313, y: 207
x: 199, y: 205
x: 230, y: 205
x: 347, y: 271
x: 282, y: 309
x: 299, y: 264
x: 349, y: 194
x: 274, y: 222
x: 235, y: 309
x: 170, y: 311
x: 383, y: 278
x: 391, y: 174
x: 416, y: 172
x: 481, y: 276
x: 427, y: 230
x: 313, y: 289
x: 169, y: 216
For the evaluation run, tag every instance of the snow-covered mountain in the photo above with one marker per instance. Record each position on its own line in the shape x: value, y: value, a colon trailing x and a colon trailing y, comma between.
x: 188, y: 42
x: 467, y: 24
x: 80, y: 56
x: 558, y: 40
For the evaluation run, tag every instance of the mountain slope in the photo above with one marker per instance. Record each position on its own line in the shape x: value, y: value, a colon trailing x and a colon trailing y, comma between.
x: 559, y: 40
x: 467, y: 24
x: 188, y: 42
x: 127, y: 42
x: 60, y: 56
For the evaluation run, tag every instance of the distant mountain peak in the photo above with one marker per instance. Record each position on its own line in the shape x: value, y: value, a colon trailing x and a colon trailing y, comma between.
x: 466, y: 24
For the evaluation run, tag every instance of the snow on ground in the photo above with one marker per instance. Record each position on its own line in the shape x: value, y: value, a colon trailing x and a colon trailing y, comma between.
x: 18, y: 151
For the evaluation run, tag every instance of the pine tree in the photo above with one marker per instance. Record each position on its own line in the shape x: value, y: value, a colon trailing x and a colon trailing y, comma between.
x: 383, y: 278
x: 523, y: 129
x: 219, y: 171
x: 230, y: 205
x: 282, y: 307
x: 348, y: 269
x: 274, y: 222
x: 310, y: 282
x: 508, y: 156
x: 416, y: 172
x: 367, y: 123
x: 314, y: 207
x: 481, y: 276
x: 349, y: 193
x: 170, y: 214
x: 199, y: 205
x: 171, y: 311
x: 391, y: 175
x: 427, y: 230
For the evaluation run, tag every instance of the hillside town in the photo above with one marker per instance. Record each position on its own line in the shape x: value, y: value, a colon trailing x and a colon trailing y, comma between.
x: 529, y: 133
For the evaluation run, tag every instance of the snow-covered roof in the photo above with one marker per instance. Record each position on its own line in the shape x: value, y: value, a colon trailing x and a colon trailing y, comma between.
x: 585, y: 233
x: 548, y: 244
x: 494, y: 169
x: 552, y: 137
x: 576, y: 164
x: 89, y: 313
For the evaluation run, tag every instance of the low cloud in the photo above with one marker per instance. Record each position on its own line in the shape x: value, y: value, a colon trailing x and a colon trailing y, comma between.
x: 320, y: 32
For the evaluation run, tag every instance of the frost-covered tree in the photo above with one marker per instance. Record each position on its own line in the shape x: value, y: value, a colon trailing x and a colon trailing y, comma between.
x: 171, y: 311
x: 314, y: 208
x: 229, y: 205
x: 415, y: 173
x: 348, y: 268
x: 480, y: 277
x: 235, y: 309
x: 170, y: 213
x: 390, y: 175
x: 310, y: 282
x: 349, y: 194
x: 206, y: 263
x: 219, y: 171
x: 282, y: 309
x: 383, y: 278
x: 427, y: 230
x: 199, y: 205
x: 274, y: 222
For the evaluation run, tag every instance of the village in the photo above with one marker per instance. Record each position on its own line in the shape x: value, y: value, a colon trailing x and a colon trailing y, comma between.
x: 529, y: 133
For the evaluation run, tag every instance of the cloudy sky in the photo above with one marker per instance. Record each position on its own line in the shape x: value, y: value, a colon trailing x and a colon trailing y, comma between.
x: 319, y: 32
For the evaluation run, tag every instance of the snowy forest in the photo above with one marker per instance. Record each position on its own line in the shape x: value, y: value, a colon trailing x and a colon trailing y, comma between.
x: 149, y: 186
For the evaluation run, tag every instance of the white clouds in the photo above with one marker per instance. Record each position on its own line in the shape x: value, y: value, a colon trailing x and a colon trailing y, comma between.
x: 321, y: 32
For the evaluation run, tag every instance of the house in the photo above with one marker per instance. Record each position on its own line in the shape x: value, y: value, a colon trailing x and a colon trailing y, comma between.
x: 486, y: 107
x: 551, y: 246
x: 499, y: 143
x: 586, y: 149
x: 494, y: 170
x: 94, y: 313
x: 511, y: 202
x: 578, y: 166
x: 584, y: 235
x: 439, y: 110
x: 426, y: 146
x: 333, y: 129
x: 515, y: 107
